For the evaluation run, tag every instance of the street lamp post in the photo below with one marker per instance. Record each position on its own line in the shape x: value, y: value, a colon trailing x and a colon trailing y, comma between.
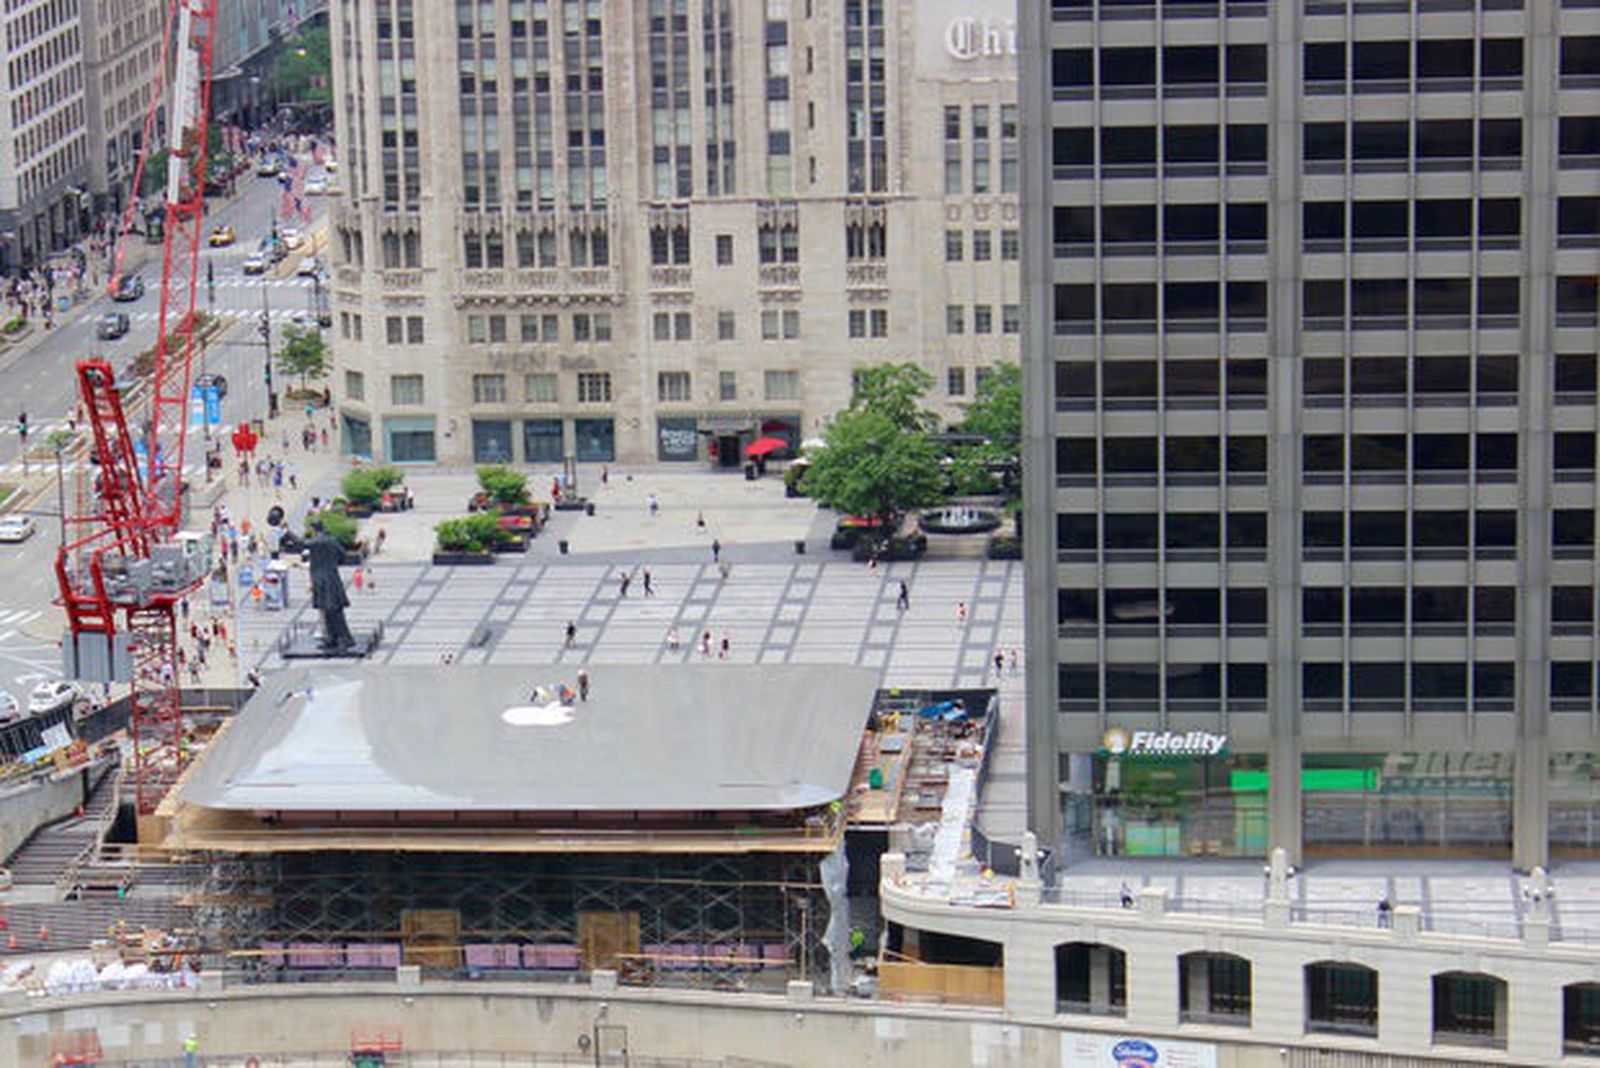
x: 61, y: 493
x: 266, y: 341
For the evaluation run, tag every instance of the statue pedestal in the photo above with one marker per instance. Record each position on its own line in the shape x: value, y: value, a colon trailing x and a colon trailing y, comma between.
x: 303, y: 641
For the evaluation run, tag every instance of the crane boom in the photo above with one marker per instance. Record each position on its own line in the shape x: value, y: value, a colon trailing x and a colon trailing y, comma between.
x: 124, y: 570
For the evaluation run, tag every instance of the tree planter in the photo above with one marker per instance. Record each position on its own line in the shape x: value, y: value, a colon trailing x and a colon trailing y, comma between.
x: 462, y: 559
x: 1004, y: 547
x: 358, y: 511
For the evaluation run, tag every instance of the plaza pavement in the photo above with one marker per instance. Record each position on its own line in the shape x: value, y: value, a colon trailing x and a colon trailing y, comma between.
x: 776, y: 606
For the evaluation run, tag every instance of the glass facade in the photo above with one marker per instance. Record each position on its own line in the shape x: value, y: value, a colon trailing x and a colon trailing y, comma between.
x: 596, y: 439
x: 542, y: 441
x: 491, y: 441
x: 1154, y: 806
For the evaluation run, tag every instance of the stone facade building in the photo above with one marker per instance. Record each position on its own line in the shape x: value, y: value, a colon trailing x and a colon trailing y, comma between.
x: 656, y: 229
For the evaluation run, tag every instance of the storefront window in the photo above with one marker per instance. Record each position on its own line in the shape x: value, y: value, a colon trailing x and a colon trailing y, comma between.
x: 597, y: 439
x: 1168, y: 806
x: 491, y: 441
x: 677, y: 439
x: 1360, y: 803
x: 541, y: 441
x: 356, y: 439
x: 410, y: 439
x: 1574, y: 803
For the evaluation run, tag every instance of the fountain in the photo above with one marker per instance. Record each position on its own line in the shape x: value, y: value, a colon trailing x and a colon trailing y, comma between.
x: 960, y: 519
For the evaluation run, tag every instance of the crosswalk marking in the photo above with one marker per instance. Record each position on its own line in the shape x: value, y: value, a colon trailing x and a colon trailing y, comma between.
x: 15, y: 467
x: 17, y: 617
x: 224, y: 313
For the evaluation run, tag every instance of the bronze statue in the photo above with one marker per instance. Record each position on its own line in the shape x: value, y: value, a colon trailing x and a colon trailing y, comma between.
x: 327, y: 590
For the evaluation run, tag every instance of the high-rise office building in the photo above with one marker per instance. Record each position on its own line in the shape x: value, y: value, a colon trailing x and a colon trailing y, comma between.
x: 1311, y: 338
x: 121, y: 58
x: 658, y: 229
x: 44, y: 148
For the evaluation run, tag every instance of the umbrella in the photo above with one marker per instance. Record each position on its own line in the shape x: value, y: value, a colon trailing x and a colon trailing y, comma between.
x: 764, y: 446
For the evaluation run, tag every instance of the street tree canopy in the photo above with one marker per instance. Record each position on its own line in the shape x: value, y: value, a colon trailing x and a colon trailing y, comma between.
x: 303, y: 70
x: 995, y: 415
x: 304, y: 354
x: 874, y: 467
x: 895, y: 390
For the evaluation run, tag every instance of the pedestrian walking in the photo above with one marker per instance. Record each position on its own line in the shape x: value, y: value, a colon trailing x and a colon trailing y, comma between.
x: 722, y: 654
x: 961, y: 611
x: 716, y: 549
x: 903, y: 602
x: 605, y: 475
x: 705, y: 644
x: 622, y: 583
x: 649, y: 590
x: 357, y: 581
x: 999, y: 663
x: 1014, y: 661
x: 672, y: 637
x: 1385, y: 912
x: 572, y: 634
x: 583, y: 685
x: 372, y: 583
x: 652, y: 505
x: 700, y: 520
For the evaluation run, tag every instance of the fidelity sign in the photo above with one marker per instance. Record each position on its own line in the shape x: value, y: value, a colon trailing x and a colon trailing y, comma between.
x: 1121, y: 742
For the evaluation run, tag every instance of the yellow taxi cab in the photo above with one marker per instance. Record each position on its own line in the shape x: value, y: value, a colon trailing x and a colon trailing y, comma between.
x: 221, y: 235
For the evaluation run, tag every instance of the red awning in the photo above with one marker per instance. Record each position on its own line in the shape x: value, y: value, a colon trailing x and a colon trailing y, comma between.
x: 763, y: 446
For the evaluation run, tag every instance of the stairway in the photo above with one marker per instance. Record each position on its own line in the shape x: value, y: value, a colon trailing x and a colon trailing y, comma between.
x: 46, y: 855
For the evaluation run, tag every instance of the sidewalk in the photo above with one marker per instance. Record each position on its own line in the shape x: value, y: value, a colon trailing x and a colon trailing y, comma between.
x: 317, y: 473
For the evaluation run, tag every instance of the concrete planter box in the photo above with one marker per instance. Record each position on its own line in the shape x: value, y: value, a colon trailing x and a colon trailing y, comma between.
x: 462, y: 559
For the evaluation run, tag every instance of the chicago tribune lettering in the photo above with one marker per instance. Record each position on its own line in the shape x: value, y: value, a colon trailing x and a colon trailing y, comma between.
x: 1119, y: 741
x: 979, y: 38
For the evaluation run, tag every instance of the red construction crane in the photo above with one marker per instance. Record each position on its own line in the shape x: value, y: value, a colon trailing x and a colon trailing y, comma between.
x: 125, y: 566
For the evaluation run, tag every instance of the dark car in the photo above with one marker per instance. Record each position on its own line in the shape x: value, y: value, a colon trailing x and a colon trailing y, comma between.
x: 129, y: 287
x: 112, y: 325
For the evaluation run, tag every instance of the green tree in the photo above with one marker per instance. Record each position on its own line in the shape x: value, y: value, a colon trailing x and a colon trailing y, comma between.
x: 874, y: 467
x: 503, y: 485
x: 304, y: 354
x: 895, y: 390
x: 995, y: 415
x: 302, y: 71
x: 219, y: 161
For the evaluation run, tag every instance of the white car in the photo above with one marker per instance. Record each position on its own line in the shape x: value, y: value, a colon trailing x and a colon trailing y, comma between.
x: 291, y: 237
x: 16, y: 527
x: 317, y: 184
x: 49, y: 696
x: 10, y: 711
x: 309, y: 268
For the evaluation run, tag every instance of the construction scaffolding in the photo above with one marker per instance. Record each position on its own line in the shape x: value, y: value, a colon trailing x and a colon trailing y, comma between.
x: 736, y: 921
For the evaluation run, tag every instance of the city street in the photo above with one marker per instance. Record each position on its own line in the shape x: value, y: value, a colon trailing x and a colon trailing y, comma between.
x: 37, y: 377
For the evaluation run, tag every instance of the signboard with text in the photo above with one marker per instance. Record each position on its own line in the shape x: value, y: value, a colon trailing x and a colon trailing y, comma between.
x: 1084, y: 1050
x: 967, y: 38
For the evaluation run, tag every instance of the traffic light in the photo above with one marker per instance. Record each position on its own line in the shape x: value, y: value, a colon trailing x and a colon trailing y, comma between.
x: 22, y: 425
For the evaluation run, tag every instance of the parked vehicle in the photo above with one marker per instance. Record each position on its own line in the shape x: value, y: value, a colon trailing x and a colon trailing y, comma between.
x: 221, y: 236
x: 256, y: 263
x: 10, y: 710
